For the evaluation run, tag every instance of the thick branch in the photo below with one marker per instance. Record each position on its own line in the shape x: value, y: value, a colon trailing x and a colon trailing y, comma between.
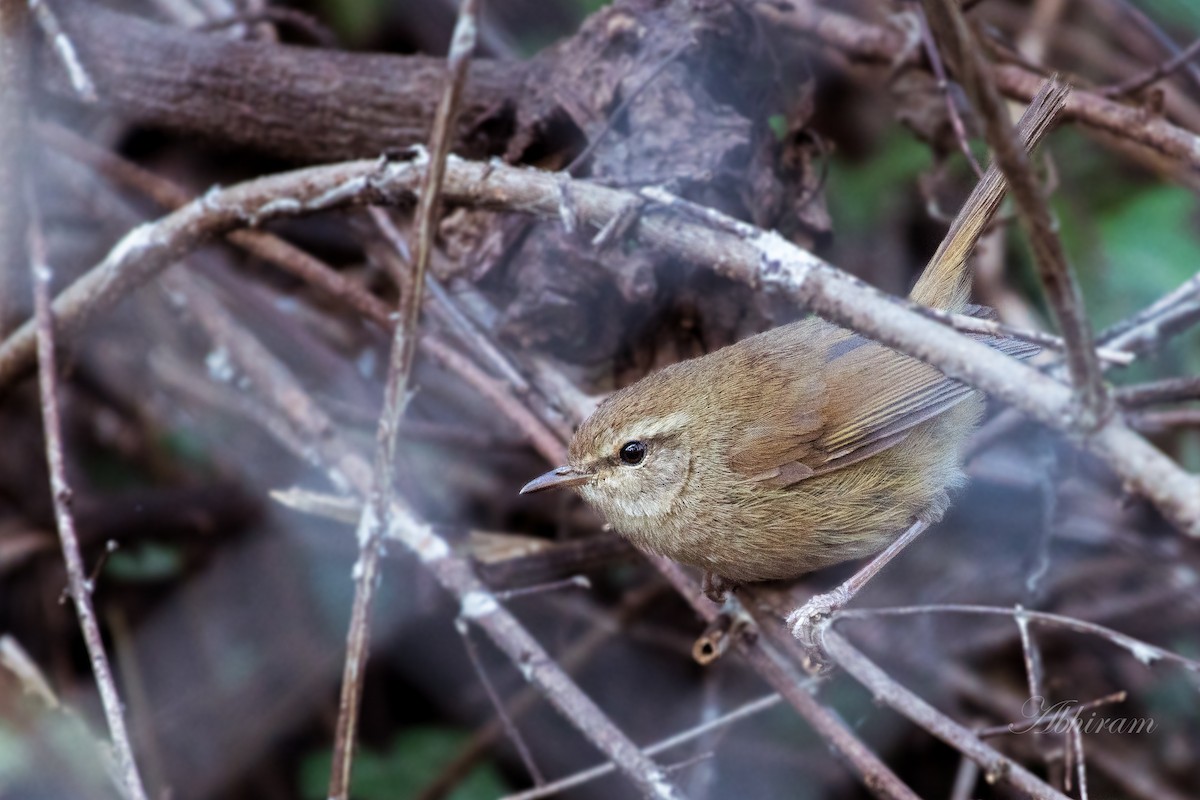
x: 740, y: 252
x: 299, y: 103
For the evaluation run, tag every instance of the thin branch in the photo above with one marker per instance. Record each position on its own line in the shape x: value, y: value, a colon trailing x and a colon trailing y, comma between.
x: 943, y: 86
x: 514, y: 735
x: 777, y: 669
x: 991, y: 327
x: 350, y: 471
x: 1151, y: 139
x: 376, y: 519
x: 1167, y: 390
x: 508, y: 395
x: 1063, y: 293
x: 1144, y: 652
x: 79, y: 78
x: 1155, y: 73
x: 683, y: 737
x: 996, y: 767
x: 1155, y: 32
x: 79, y: 587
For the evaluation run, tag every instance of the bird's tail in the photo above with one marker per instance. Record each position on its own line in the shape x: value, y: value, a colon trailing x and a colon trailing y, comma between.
x: 946, y: 281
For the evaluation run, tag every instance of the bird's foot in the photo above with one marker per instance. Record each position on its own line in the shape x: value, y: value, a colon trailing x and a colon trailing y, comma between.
x: 715, y: 586
x: 809, y: 622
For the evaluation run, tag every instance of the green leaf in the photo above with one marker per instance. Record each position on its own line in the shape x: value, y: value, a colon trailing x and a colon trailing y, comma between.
x: 414, y: 759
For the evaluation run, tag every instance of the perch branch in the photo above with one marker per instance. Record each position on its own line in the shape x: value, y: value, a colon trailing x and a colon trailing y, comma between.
x: 737, y: 251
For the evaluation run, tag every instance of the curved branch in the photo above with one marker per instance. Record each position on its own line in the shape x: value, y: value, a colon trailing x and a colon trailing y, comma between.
x: 733, y: 249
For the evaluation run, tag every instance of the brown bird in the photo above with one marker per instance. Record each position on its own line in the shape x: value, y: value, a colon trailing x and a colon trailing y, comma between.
x: 795, y: 449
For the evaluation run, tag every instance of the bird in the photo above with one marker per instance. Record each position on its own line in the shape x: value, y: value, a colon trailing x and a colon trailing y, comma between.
x: 798, y: 448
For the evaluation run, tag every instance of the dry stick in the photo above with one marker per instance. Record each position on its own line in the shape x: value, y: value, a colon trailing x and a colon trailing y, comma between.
x: 544, y: 435
x: 1148, y: 329
x: 1156, y: 73
x: 943, y: 86
x: 991, y: 327
x: 996, y: 767
x: 1152, y: 29
x: 376, y: 518
x: 81, y: 81
x: 1063, y: 293
x: 1144, y: 652
x: 1032, y: 656
x: 777, y: 670
x: 1140, y: 334
x: 1152, y: 138
x: 748, y: 255
x: 291, y: 259
x: 683, y: 737
x: 965, y: 779
x: 464, y: 630
x: 78, y: 585
x: 575, y: 656
x: 349, y: 470
x: 1167, y: 390
x: 1154, y: 422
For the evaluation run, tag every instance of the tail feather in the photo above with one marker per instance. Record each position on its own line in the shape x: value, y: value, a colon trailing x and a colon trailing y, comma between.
x: 946, y: 281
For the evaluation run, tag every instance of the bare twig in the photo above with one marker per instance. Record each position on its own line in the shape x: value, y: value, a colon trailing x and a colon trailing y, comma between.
x: 1144, y: 652
x: 348, y: 470
x: 376, y: 519
x: 1151, y: 139
x: 1155, y: 73
x: 1149, y: 27
x: 996, y: 767
x: 778, y: 670
x: 991, y: 327
x: 943, y: 85
x: 79, y: 587
x: 1167, y: 390
x: 514, y: 735
x: 1063, y: 293
x: 80, y: 80
x: 683, y: 737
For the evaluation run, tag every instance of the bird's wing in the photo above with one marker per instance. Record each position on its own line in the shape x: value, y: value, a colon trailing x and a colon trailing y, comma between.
x: 853, y: 422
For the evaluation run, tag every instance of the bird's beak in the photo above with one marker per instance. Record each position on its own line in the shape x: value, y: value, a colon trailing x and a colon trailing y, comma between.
x: 559, y: 477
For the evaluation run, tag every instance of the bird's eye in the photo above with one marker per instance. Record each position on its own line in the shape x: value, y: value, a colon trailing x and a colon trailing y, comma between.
x: 632, y: 453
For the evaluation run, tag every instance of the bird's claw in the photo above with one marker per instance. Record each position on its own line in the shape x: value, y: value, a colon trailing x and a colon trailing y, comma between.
x: 808, y: 623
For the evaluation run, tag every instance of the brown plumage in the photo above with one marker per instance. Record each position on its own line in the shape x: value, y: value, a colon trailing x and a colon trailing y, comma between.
x: 794, y: 449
